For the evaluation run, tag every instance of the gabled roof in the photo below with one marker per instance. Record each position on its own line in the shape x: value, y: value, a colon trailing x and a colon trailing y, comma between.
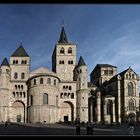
x: 20, y: 52
x: 81, y: 62
x: 102, y: 66
x: 106, y: 65
x: 121, y: 74
x: 5, y: 62
x: 63, y: 37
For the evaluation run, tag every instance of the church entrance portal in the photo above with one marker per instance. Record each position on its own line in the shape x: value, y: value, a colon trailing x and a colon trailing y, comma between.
x: 67, y: 112
x: 17, y: 112
x: 18, y: 118
x: 66, y: 119
x: 131, y: 117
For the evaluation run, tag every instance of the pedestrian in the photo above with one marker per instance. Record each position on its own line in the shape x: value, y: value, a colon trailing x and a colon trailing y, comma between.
x: 6, y: 124
x: 78, y: 129
x: 91, y: 129
x: 88, y: 128
x: 131, y: 130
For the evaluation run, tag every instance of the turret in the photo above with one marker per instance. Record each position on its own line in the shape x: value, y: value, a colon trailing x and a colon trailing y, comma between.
x: 82, y: 91
x: 5, y: 74
x: 81, y: 74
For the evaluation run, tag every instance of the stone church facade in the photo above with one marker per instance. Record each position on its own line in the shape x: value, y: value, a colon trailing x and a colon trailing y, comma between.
x: 64, y: 94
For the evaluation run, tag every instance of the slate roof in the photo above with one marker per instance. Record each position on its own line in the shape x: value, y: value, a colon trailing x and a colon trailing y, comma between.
x: 81, y: 61
x: 115, y: 77
x: 5, y: 62
x: 106, y: 65
x: 63, y: 37
x: 20, y: 52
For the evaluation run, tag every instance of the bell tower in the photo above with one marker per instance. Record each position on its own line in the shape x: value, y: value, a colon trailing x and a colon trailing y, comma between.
x: 64, y: 58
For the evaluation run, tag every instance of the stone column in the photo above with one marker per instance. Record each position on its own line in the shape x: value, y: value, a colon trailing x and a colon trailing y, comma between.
x: 98, y: 107
x: 105, y: 111
x: 91, y: 111
x: 113, y: 103
x: 119, y: 101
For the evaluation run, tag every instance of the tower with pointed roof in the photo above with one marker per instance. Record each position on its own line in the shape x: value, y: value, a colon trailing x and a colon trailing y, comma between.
x: 5, y: 74
x: 20, y: 61
x: 82, y: 90
x: 63, y: 64
x: 20, y: 65
x: 4, y: 89
x: 81, y: 71
x: 64, y: 57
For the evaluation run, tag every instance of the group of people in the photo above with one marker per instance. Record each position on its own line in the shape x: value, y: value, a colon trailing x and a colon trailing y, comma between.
x: 89, y: 129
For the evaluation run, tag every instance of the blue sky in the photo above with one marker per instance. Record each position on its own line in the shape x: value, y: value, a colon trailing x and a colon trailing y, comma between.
x: 108, y: 34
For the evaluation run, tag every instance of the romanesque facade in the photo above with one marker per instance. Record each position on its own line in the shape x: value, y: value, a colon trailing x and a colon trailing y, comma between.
x: 64, y: 93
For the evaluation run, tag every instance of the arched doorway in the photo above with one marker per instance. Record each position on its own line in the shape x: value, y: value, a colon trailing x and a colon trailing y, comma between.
x: 131, y: 117
x: 17, y: 112
x: 67, y: 112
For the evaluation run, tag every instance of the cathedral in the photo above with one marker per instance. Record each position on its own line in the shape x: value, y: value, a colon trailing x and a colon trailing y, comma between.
x: 64, y: 94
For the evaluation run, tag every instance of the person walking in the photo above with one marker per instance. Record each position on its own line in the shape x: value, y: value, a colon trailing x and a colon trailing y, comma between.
x: 88, y: 128
x: 131, y: 130
x: 91, y: 129
x: 78, y: 129
x: 6, y: 124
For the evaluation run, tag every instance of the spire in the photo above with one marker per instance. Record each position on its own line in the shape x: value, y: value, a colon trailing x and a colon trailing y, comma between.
x: 20, y: 52
x: 63, y: 37
x: 5, y: 62
x: 81, y: 61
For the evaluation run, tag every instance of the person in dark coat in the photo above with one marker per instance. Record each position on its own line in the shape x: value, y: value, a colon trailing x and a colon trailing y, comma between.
x: 91, y: 129
x: 88, y: 128
x: 78, y: 129
x: 6, y: 124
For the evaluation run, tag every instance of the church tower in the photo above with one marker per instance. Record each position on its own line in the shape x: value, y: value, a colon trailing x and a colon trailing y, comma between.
x: 5, y: 74
x: 82, y: 90
x: 81, y: 74
x: 4, y: 89
x: 20, y: 63
x: 64, y: 58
